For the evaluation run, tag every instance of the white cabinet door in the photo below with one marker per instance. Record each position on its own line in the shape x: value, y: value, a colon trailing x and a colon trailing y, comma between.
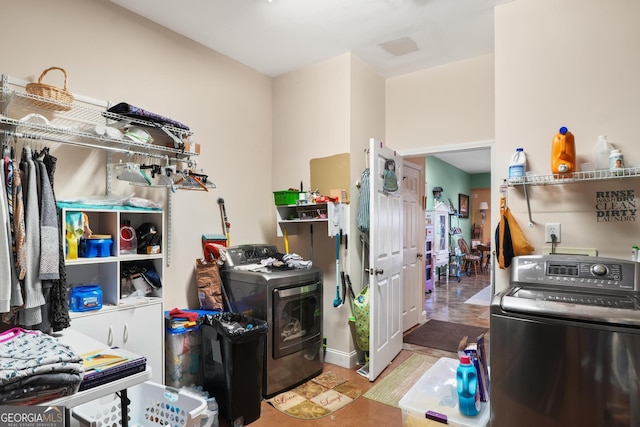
x: 102, y: 326
x: 142, y: 334
x: 135, y: 329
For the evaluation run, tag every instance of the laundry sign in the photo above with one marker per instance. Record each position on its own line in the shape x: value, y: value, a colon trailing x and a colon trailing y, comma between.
x: 616, y: 206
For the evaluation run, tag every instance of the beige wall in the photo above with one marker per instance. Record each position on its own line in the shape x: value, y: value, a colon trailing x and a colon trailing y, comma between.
x: 329, y: 108
x: 450, y: 104
x: 571, y: 63
x: 114, y: 55
x: 310, y: 119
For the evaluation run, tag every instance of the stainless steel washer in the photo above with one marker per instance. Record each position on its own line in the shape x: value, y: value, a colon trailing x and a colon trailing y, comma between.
x: 565, y: 344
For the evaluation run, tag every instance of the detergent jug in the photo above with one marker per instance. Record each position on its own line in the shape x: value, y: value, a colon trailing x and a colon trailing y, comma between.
x: 563, y: 152
x: 467, y: 386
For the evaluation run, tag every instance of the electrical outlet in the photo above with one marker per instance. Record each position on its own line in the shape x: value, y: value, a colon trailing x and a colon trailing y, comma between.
x: 549, y: 229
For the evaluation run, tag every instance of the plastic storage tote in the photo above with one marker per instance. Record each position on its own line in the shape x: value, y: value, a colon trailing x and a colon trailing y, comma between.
x: 182, y: 349
x: 151, y: 404
x: 233, y: 362
x: 434, y: 396
x: 182, y: 357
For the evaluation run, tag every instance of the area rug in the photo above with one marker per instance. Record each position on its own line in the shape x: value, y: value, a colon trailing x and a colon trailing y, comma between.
x: 481, y: 298
x: 390, y: 389
x: 318, y: 397
x: 443, y: 335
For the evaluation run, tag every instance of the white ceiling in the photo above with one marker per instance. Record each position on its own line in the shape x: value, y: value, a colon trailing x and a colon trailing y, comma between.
x: 471, y: 161
x: 274, y: 37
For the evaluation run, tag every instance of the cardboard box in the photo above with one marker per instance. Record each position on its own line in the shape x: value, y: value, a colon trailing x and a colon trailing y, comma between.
x: 192, y: 147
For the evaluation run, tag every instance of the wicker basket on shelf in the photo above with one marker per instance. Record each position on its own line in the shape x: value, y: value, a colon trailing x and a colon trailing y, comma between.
x: 62, y: 99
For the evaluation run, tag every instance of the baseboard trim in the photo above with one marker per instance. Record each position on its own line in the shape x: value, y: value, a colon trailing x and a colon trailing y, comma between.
x: 343, y: 359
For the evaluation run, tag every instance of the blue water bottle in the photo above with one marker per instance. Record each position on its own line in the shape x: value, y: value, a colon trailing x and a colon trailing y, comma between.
x: 468, y: 396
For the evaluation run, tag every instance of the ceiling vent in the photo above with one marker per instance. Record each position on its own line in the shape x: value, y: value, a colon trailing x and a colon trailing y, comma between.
x: 401, y: 46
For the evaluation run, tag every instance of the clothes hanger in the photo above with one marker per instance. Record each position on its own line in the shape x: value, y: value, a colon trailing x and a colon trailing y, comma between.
x: 192, y: 181
x: 132, y: 173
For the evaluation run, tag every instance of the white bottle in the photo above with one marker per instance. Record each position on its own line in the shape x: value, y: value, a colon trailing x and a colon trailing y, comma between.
x: 616, y: 162
x: 518, y: 164
x: 601, y: 153
x: 212, y: 406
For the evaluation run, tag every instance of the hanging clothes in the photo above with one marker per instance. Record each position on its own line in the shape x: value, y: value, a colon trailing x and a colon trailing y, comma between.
x: 5, y: 251
x: 33, y: 298
x: 16, y: 241
x: 15, y: 179
x: 59, y: 297
x: 49, y: 233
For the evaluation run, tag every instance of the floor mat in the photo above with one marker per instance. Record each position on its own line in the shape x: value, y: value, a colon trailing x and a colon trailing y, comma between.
x: 443, y: 335
x: 318, y: 397
x: 390, y: 389
x: 481, y: 298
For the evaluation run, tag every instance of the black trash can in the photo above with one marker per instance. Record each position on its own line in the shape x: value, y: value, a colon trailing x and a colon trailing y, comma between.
x: 232, y: 364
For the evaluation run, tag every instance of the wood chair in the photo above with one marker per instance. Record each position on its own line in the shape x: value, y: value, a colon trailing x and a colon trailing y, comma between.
x: 476, y: 231
x: 469, y: 259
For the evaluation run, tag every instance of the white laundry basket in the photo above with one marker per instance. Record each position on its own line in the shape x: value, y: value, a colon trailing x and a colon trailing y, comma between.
x: 150, y: 404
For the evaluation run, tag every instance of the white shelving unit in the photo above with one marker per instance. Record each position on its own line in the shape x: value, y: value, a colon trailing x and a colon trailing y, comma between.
x: 428, y: 258
x: 134, y: 324
x: 440, y: 218
x: 334, y: 215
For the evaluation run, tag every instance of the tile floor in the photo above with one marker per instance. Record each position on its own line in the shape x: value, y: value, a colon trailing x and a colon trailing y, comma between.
x: 446, y: 303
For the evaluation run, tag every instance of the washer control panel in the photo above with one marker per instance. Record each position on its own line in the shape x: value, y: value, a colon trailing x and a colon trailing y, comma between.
x: 248, y: 254
x: 579, y: 271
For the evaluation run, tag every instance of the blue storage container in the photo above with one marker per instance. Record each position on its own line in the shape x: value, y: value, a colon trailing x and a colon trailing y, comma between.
x: 95, y: 247
x: 85, y: 298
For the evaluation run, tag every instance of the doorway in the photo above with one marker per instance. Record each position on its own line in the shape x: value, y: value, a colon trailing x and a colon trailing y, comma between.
x: 472, y: 158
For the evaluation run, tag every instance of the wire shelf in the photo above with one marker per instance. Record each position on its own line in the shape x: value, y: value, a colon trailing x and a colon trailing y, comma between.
x: 574, y: 177
x: 76, y: 126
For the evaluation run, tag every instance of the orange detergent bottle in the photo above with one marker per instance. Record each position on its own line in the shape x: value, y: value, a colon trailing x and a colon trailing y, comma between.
x: 563, y: 152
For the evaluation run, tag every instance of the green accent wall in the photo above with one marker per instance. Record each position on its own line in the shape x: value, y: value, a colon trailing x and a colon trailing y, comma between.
x: 453, y: 181
x: 481, y: 180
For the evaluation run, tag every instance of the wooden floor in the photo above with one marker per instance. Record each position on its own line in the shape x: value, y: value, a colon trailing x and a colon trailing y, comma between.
x: 446, y: 303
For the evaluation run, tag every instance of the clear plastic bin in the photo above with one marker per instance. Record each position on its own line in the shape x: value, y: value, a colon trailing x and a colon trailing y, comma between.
x: 182, y: 357
x: 151, y: 404
x: 436, y: 391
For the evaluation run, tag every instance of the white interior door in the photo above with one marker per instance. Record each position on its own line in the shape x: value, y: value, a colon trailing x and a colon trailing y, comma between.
x: 413, y: 245
x: 385, y: 261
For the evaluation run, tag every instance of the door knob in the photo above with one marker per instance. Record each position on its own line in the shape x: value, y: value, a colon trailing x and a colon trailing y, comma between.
x: 372, y: 271
x: 418, y: 255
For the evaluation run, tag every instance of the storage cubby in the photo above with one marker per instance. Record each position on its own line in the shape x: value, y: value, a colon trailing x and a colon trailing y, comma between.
x: 120, y: 318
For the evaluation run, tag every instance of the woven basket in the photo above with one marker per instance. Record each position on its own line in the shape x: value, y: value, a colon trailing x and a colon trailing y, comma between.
x: 50, y: 92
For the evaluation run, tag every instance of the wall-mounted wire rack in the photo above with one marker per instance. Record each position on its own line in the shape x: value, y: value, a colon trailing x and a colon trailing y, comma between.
x: 76, y: 126
x: 574, y: 177
x: 568, y: 178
